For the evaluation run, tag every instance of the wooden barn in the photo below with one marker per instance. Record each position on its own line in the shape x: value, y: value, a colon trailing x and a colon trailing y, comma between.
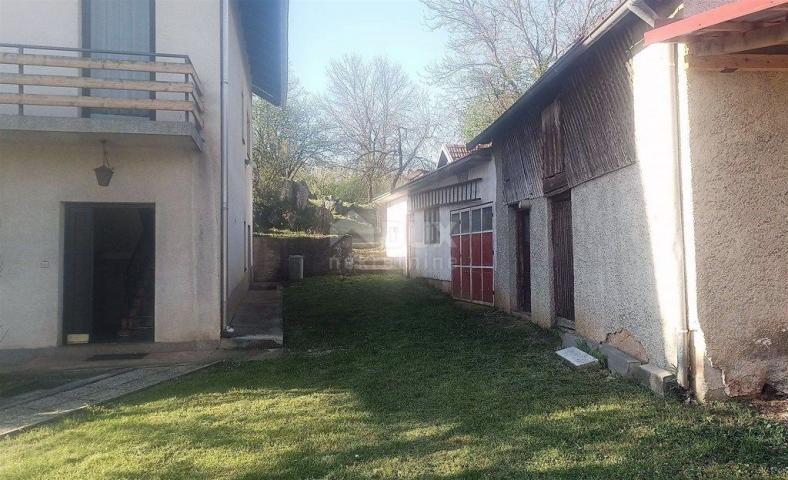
x: 641, y: 193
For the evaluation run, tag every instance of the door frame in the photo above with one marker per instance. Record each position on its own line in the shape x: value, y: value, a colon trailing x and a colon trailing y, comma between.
x: 563, y: 320
x: 64, y: 232
x: 524, y: 267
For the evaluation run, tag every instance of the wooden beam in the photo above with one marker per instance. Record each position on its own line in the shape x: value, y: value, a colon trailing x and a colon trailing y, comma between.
x: 742, y: 62
x: 102, y: 102
x: 709, y: 18
x: 741, y: 42
x: 731, y: 27
x: 96, y: 102
x: 89, y: 82
x: 95, y: 63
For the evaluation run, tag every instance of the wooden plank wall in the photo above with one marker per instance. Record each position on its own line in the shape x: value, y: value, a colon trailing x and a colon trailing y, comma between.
x: 596, y: 117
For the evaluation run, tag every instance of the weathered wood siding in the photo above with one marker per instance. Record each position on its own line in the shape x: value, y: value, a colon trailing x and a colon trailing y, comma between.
x: 596, y: 119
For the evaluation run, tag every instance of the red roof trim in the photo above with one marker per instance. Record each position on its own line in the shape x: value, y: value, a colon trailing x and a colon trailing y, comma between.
x: 709, y: 18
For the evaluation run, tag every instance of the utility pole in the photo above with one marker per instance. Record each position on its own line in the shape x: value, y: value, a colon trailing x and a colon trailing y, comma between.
x: 399, y: 151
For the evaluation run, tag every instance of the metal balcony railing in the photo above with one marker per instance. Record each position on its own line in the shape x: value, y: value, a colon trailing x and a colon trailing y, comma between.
x: 93, y: 81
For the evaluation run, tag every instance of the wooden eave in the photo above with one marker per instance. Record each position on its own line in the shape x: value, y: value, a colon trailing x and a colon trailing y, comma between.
x: 742, y: 35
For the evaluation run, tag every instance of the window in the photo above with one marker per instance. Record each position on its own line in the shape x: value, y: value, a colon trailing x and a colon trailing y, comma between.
x: 432, y: 225
x: 124, y: 26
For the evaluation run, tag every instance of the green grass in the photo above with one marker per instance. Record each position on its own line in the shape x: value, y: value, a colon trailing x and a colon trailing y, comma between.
x: 389, y: 379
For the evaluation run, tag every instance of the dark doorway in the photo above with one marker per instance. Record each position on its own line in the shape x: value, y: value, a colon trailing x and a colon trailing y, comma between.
x: 109, y: 273
x: 563, y: 268
x: 524, y: 260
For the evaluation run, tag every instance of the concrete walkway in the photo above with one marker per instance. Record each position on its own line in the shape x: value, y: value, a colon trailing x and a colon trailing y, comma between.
x: 24, y: 411
x: 257, y: 322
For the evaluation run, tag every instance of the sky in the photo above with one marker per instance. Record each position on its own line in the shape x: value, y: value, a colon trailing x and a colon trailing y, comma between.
x: 321, y: 30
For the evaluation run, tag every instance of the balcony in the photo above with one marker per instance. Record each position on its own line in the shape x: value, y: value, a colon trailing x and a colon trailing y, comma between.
x: 132, y: 97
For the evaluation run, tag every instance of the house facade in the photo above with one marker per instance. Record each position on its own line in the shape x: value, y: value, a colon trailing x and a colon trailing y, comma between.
x: 642, y: 189
x: 441, y: 225
x: 125, y: 176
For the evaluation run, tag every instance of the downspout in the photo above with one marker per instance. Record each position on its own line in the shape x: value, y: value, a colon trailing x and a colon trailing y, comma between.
x: 224, y: 77
x: 683, y: 334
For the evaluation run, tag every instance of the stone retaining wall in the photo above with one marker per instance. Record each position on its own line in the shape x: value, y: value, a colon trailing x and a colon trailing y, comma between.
x: 322, y: 255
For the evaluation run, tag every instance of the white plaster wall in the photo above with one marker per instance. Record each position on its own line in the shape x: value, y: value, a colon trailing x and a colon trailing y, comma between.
x: 37, y: 179
x: 739, y: 167
x: 40, y: 22
x: 239, y: 173
x: 184, y: 184
x: 626, y: 228
x: 396, y: 228
x: 434, y: 260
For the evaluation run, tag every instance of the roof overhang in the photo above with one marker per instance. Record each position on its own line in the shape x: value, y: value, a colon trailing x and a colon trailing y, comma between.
x: 264, y: 25
x: 474, y: 158
x: 722, y: 23
x: 546, y: 84
x: 741, y: 35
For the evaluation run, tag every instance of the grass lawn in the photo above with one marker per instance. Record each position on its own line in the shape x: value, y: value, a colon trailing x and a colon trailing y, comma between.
x: 389, y: 379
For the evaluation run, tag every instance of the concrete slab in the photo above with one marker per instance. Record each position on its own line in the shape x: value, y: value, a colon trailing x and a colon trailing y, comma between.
x: 656, y: 378
x: 257, y: 323
x: 25, y: 415
x: 577, y: 358
x: 620, y: 362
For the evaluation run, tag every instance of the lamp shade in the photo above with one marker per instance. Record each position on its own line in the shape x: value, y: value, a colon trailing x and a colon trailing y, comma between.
x: 103, y: 175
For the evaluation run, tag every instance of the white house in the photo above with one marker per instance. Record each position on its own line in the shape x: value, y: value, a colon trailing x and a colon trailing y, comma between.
x: 442, y: 225
x: 157, y: 95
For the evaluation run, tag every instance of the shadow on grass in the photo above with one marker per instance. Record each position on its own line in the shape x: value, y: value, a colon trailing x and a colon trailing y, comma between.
x: 389, y: 379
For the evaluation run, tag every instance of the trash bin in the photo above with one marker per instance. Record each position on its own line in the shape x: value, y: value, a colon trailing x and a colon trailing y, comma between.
x: 296, y: 267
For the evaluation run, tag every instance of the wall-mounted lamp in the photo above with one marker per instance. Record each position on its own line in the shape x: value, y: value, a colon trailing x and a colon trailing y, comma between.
x: 104, y: 172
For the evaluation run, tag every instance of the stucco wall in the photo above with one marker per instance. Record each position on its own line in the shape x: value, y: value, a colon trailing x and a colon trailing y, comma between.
x: 627, y: 230
x: 183, y: 183
x: 739, y: 163
x: 37, y: 179
x: 239, y: 212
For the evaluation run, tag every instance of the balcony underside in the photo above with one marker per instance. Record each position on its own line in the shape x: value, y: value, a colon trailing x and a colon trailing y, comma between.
x: 125, y: 131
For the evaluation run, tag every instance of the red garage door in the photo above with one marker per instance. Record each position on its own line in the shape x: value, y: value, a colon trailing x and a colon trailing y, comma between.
x: 472, y: 254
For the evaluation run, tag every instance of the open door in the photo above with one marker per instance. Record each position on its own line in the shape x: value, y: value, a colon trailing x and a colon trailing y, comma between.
x: 78, y: 275
x: 563, y: 264
x: 109, y: 273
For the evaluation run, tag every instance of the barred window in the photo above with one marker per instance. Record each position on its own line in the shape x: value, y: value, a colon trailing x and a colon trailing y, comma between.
x: 432, y: 225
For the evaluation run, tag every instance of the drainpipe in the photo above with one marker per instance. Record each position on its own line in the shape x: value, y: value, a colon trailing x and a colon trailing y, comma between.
x: 683, y: 334
x: 225, y: 79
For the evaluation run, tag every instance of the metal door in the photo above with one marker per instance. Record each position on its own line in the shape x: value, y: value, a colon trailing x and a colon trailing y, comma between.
x: 472, y: 256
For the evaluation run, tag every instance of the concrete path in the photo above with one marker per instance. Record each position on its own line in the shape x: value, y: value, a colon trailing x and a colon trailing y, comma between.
x: 30, y: 409
x: 258, y: 321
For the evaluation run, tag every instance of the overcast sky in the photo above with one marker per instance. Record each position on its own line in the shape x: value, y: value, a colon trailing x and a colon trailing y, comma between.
x: 324, y: 29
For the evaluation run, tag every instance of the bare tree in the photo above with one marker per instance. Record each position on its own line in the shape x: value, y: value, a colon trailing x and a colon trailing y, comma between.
x: 288, y: 139
x: 380, y: 122
x: 498, y: 48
